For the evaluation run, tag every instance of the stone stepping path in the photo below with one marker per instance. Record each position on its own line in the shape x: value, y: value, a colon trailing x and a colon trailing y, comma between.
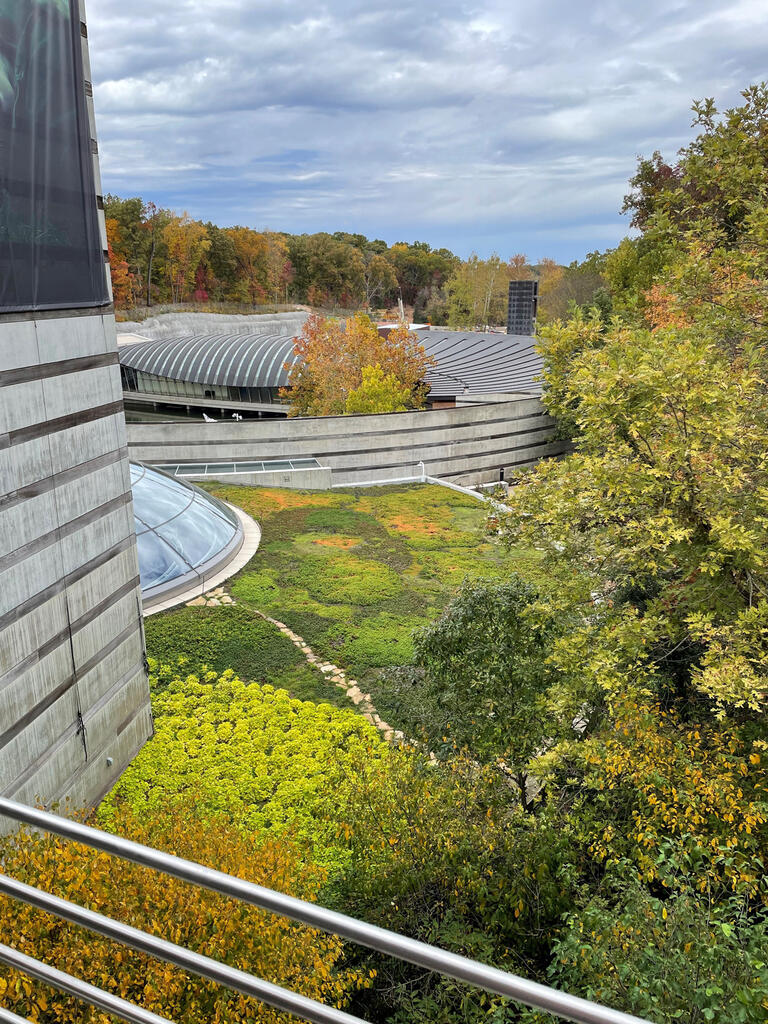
x: 339, y: 678
x: 212, y: 599
x: 336, y: 675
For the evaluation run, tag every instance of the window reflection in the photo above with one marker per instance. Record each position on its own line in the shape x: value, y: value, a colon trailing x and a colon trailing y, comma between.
x: 198, y: 534
x: 158, y: 563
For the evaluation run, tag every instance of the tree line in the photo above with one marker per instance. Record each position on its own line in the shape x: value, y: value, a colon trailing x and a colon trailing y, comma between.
x: 158, y: 256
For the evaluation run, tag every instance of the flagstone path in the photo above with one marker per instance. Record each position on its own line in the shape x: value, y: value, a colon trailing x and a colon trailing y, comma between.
x: 332, y: 672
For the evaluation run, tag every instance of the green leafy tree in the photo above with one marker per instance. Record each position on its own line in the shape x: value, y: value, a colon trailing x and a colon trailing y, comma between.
x: 662, y: 507
x: 419, y: 266
x: 378, y: 392
x: 480, y: 680
x: 686, y: 958
x: 220, y: 263
x: 437, y: 853
x: 327, y: 271
x: 478, y: 290
x: 704, y: 225
x: 379, y: 278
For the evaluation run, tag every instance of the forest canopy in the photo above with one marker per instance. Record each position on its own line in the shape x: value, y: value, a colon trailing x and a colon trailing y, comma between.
x: 158, y: 256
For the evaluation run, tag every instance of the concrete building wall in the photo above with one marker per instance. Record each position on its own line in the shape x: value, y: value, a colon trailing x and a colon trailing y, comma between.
x: 74, y: 697
x: 464, y: 445
x: 73, y: 689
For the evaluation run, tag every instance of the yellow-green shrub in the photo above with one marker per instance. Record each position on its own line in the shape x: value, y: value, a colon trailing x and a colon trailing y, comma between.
x: 269, y: 762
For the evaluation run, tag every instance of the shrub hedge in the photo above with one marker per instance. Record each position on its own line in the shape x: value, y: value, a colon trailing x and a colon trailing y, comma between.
x: 265, y: 760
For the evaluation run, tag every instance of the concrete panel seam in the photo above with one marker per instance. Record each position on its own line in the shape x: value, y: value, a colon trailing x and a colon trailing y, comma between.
x: 63, y: 531
x: 66, y: 476
x: 59, y: 368
x: 60, y: 585
x: 54, y: 426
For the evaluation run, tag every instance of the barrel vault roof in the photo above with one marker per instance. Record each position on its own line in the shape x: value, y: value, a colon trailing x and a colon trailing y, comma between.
x: 468, y: 362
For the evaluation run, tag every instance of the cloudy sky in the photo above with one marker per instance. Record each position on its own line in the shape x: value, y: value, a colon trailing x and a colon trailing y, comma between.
x: 489, y: 125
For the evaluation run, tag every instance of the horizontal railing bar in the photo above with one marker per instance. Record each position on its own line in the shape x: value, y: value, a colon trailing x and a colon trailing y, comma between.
x: 281, y: 998
x: 6, y: 1017
x: 77, y: 987
x: 491, y: 979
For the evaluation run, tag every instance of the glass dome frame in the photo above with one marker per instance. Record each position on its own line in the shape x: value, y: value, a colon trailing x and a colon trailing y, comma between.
x: 183, y: 534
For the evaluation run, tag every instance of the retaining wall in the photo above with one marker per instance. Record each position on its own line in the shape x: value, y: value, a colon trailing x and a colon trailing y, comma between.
x: 465, y: 445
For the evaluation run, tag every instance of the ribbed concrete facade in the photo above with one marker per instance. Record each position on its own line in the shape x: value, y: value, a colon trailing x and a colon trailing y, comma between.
x: 73, y: 690
x: 466, y: 445
x: 74, y: 699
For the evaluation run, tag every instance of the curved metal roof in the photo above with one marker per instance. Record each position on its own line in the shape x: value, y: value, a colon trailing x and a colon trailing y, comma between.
x: 468, y: 362
x: 471, y: 362
x: 234, y: 360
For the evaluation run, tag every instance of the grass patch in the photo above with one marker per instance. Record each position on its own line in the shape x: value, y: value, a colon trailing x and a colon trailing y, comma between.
x: 233, y: 637
x: 377, y: 642
x: 346, y: 579
x: 307, y: 683
x: 221, y: 638
x: 356, y: 572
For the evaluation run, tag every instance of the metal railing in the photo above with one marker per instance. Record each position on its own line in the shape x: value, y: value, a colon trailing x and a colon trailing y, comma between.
x: 424, y: 478
x: 451, y: 965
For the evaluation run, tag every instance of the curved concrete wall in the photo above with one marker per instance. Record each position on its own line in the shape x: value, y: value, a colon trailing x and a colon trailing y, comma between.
x: 465, y: 445
x: 171, y: 325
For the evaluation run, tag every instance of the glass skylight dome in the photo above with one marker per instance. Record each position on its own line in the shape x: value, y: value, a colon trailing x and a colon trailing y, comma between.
x: 183, y: 534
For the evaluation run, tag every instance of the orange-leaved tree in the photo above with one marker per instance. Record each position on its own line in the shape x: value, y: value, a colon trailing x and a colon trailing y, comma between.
x: 124, y: 283
x: 268, y: 946
x: 331, y: 357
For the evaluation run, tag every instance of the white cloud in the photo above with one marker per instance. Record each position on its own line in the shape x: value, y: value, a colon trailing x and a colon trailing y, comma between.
x: 471, y: 123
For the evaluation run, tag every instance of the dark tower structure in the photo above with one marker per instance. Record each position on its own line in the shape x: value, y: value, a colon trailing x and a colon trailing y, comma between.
x: 523, y: 300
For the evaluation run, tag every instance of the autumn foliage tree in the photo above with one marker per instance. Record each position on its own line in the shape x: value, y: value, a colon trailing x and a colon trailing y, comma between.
x: 185, y: 242
x: 123, y: 281
x: 331, y: 357
x: 268, y: 946
x: 250, y: 250
x: 378, y: 392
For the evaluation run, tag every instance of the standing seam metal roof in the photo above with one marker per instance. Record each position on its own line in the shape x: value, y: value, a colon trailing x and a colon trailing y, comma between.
x: 234, y: 360
x: 481, y: 362
x: 468, y: 362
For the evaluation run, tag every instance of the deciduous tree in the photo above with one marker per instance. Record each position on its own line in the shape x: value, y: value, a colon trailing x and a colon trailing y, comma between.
x: 186, y: 242
x: 266, y: 945
x: 378, y: 392
x: 331, y: 356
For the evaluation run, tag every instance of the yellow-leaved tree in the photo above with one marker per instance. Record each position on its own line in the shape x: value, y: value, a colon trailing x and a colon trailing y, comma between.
x: 268, y: 946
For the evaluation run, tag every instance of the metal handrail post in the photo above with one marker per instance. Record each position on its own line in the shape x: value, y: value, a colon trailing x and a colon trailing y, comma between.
x: 77, y: 987
x: 461, y: 968
x: 281, y: 998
